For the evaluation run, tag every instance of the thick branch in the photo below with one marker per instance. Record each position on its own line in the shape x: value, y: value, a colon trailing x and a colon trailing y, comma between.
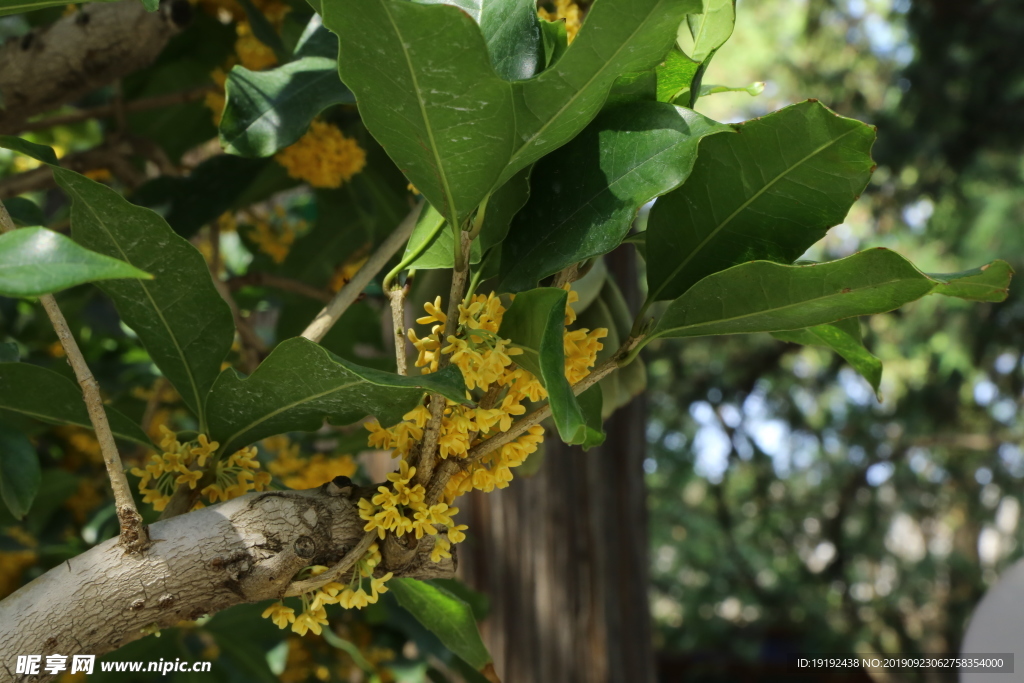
x: 79, y: 53
x: 325, y: 320
x: 245, y: 550
x: 133, y: 532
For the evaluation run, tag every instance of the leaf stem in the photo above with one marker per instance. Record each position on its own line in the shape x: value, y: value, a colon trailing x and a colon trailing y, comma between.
x: 325, y: 320
x: 134, y: 534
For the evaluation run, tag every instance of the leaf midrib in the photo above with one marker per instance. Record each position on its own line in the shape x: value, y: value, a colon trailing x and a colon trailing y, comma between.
x: 449, y: 198
x: 798, y: 304
x: 653, y: 296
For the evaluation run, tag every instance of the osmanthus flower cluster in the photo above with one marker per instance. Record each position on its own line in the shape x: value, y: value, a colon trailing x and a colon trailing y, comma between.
x: 297, y: 472
x: 313, y: 616
x: 323, y: 157
x: 185, y: 463
x: 499, y: 391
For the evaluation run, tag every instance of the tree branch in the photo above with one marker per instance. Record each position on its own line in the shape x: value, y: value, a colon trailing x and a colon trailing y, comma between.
x: 397, y: 297
x: 260, y: 279
x: 108, y: 110
x: 432, y: 430
x: 64, y: 61
x: 325, y: 320
x: 243, y: 551
x: 134, y: 536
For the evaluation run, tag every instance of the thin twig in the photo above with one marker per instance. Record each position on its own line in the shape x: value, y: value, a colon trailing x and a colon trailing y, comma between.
x: 432, y: 430
x: 334, y: 573
x: 258, y: 279
x: 134, y: 534
x: 106, y: 110
x: 325, y: 320
x: 397, y: 297
x: 569, y: 274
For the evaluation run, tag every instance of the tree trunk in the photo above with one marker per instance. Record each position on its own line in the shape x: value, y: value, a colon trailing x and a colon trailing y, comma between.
x: 562, y: 555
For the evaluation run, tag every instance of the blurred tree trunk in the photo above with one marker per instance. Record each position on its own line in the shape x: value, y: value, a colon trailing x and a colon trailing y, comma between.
x: 562, y: 555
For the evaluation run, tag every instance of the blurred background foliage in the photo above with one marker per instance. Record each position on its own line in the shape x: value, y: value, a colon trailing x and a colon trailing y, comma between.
x: 791, y: 509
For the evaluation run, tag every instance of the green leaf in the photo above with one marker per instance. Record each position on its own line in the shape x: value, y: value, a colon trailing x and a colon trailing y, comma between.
x: 554, y: 38
x: 535, y: 322
x: 618, y: 37
x: 511, y: 31
x: 301, y: 384
x: 768, y: 192
x: 444, y: 615
x: 502, y: 206
x: 675, y: 75
x: 180, y: 318
x: 151, y: 5
x: 45, y: 395
x: 9, y: 352
x: 589, y: 191
x: 431, y: 244
x: 436, y: 105
x: 989, y: 283
x: 24, y: 212
x: 762, y: 296
x: 35, y: 261
x: 754, y: 89
x: 185, y: 325
x: 19, y: 471
x: 30, y: 149
x: 592, y: 404
x: 843, y: 337
x: 709, y: 30
x: 460, y: 133
x: 268, y: 110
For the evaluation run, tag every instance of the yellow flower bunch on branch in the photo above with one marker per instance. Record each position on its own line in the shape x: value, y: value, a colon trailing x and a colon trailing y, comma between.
x: 186, y: 463
x: 323, y: 157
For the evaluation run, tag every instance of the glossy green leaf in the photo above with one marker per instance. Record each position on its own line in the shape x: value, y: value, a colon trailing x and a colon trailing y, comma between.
x: 589, y: 191
x: 989, y: 283
x: 768, y: 192
x: 179, y: 316
x: 843, y: 337
x: 502, y: 206
x: 301, y: 384
x: 592, y: 404
x: 45, y: 395
x: 754, y: 89
x: 709, y: 30
x: 151, y: 5
x: 610, y: 311
x: 35, y: 261
x: 618, y: 37
x: 675, y: 75
x: 432, y: 244
x: 535, y: 322
x: 436, y: 105
x: 460, y: 133
x: 24, y: 212
x: 20, y: 474
x: 444, y: 615
x: 511, y: 31
x: 762, y: 296
x: 268, y: 110
x: 30, y: 149
x: 554, y: 39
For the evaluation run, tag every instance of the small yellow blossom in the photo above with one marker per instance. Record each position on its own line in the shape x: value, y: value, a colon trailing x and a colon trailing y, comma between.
x: 323, y: 157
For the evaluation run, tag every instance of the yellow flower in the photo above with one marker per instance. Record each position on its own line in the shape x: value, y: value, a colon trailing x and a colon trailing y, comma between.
x: 279, y: 614
x: 323, y: 157
x: 253, y: 54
